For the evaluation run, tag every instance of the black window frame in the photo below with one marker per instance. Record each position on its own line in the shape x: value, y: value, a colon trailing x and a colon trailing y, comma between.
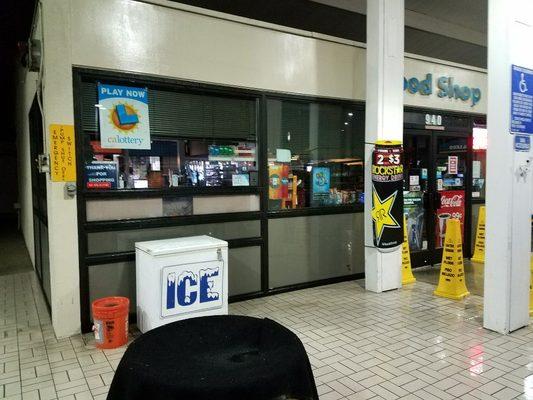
x: 81, y: 74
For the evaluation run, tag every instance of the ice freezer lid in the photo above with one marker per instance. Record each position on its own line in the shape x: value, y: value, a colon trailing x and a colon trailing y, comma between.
x: 179, y: 245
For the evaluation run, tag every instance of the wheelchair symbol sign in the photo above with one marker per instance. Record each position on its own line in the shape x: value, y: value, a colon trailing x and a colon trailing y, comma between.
x: 521, y: 100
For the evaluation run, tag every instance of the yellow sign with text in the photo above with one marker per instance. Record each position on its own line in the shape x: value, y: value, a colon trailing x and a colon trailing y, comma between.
x: 407, y: 272
x: 479, y: 247
x: 62, y: 153
x: 452, y: 270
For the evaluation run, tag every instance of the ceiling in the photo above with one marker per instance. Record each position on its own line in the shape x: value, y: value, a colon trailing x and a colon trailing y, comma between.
x: 464, y: 20
x: 470, y: 14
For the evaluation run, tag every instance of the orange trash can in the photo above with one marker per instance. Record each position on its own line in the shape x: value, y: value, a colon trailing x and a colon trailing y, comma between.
x: 110, y: 316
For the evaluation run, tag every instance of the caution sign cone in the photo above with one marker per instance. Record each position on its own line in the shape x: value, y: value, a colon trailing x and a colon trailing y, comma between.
x: 479, y: 247
x: 452, y: 273
x: 407, y: 273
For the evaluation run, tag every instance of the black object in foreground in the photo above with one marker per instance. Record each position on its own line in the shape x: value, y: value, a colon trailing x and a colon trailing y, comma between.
x: 215, y: 358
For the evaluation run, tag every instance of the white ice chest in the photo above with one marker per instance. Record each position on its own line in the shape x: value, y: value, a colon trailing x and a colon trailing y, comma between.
x: 180, y: 278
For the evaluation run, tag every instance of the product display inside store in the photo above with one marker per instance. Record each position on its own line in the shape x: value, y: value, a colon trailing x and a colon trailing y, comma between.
x: 173, y: 163
x: 314, y: 156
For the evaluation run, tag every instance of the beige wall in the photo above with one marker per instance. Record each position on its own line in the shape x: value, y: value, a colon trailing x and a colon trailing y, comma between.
x: 161, y: 40
x: 198, y: 47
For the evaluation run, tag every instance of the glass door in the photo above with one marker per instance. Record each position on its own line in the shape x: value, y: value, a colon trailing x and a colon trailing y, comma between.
x: 451, y: 177
x: 436, y: 177
x: 418, y: 188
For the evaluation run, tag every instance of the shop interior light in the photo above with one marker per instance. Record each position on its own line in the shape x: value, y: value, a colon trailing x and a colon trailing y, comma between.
x: 350, y: 114
x: 347, y: 159
x: 480, y: 139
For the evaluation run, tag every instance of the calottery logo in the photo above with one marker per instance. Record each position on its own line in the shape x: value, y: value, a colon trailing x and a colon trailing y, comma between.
x: 381, y: 213
x: 124, y: 117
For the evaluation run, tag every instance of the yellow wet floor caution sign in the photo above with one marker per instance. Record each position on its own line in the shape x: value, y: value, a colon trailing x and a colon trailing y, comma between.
x: 407, y: 273
x: 452, y: 271
x: 479, y: 247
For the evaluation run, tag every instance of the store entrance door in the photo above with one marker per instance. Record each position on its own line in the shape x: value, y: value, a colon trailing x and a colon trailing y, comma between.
x: 436, y: 188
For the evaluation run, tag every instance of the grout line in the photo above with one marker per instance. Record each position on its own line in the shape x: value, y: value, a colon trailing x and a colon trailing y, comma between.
x: 17, y: 330
x: 35, y: 300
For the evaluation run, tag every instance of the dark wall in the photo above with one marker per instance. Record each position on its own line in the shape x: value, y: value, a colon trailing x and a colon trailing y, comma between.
x: 9, y: 186
x: 15, y: 25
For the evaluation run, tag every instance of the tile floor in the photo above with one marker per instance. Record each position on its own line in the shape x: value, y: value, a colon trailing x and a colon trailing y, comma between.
x: 473, y: 272
x: 404, y: 344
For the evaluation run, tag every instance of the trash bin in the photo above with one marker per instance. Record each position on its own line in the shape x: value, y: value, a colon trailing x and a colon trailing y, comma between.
x: 180, y: 278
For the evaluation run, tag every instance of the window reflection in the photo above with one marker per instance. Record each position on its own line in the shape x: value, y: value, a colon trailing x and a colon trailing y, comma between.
x: 315, y: 154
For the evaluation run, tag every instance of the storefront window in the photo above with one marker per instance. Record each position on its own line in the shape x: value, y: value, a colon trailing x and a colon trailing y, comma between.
x: 172, y: 163
x: 196, y: 141
x: 315, y: 154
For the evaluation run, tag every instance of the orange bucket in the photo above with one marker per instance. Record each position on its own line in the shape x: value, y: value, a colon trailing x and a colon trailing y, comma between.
x: 110, y: 316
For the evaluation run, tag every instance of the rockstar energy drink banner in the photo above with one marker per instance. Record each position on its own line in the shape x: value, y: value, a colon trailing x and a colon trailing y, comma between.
x: 387, y: 194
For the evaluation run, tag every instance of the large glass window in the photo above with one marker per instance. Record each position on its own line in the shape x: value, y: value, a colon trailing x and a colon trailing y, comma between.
x: 197, y: 140
x: 315, y: 154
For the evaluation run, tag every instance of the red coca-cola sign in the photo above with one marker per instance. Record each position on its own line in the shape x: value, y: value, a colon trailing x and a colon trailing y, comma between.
x: 452, y: 205
x: 455, y: 200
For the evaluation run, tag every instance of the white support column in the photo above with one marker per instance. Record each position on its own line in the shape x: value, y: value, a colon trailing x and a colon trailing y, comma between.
x: 384, y: 121
x: 58, y: 106
x: 508, y: 226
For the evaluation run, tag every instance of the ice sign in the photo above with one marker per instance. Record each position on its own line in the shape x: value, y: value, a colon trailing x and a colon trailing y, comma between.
x: 191, y: 288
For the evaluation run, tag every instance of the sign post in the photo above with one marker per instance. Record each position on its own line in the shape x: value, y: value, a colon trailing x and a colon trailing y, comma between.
x: 387, y: 195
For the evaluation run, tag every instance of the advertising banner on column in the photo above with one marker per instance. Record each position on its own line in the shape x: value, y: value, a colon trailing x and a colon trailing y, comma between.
x: 387, y: 194
x: 452, y: 205
x: 124, y: 119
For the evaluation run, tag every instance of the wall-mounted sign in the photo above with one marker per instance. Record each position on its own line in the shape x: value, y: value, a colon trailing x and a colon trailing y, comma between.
x: 453, y: 165
x: 124, y: 117
x: 522, y: 143
x: 101, y: 175
x: 446, y: 88
x: 387, y: 194
x: 62, y: 153
x: 522, y: 100
x: 433, y: 119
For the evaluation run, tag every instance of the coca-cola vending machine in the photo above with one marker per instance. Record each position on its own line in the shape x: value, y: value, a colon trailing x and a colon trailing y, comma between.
x: 452, y: 205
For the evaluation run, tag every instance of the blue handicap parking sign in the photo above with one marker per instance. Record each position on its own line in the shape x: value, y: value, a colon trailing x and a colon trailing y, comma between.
x: 522, y: 100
